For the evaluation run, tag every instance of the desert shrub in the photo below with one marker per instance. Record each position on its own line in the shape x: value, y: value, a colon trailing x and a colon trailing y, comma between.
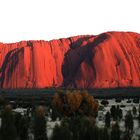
x: 134, y: 110
x: 104, y: 102
x: 18, y: 117
x: 62, y: 132
x: 136, y: 100
x: 2, y: 100
x: 118, y: 100
x: 139, y: 119
x: 103, y: 134
x: 40, y: 124
x: 115, y: 132
x: 76, y: 128
x: 107, y: 119
x: 128, y: 101
x: 24, y: 125
x: 8, y: 128
x: 113, y: 111
x: 75, y: 103
x: 54, y: 114
x: 129, y: 123
x: 88, y: 129
x: 101, y: 107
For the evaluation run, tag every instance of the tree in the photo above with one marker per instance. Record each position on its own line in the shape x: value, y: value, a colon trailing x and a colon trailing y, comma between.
x: 107, y: 119
x: 120, y: 115
x: 115, y: 132
x: 113, y: 112
x: 24, y: 125
x: 2, y: 101
x: 88, y: 130
x: 75, y: 103
x: 62, y: 132
x: 40, y: 124
x: 134, y: 110
x: 129, y: 122
x: 89, y: 105
x: 57, y: 102
x: 139, y: 109
x: 139, y: 119
x: 127, y: 136
x: 104, y: 102
x: 18, y: 117
x: 103, y: 134
x: 54, y: 114
x: 8, y: 129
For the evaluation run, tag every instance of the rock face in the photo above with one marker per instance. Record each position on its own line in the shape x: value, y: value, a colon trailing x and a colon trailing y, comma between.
x: 107, y: 60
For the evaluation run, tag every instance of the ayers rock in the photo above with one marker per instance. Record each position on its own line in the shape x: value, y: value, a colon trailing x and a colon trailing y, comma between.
x: 107, y: 60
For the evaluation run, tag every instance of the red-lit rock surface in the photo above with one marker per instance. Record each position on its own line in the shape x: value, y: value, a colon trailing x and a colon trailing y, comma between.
x: 107, y: 60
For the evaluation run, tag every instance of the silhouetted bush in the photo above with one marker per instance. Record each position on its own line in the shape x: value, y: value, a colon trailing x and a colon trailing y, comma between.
x: 122, y: 106
x: 115, y: 132
x: 107, y: 119
x: 8, y: 128
x: 40, y: 124
x: 118, y: 100
x: 24, y: 125
x: 134, y: 110
x: 18, y: 117
x: 88, y: 130
x: 104, y: 102
x: 2, y: 101
x: 101, y: 107
x: 139, y: 119
x: 113, y: 111
x: 120, y: 115
x: 136, y: 100
x: 129, y: 122
x: 118, y: 112
x: 128, y: 101
x: 103, y: 134
x: 54, y: 115
x: 62, y: 132
x: 76, y: 128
